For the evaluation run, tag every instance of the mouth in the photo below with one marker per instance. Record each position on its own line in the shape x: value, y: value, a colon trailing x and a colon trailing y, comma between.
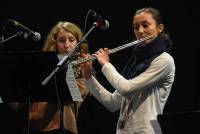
x: 67, y: 50
x: 148, y: 37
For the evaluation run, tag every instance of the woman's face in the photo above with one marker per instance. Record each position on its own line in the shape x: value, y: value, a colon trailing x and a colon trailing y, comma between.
x: 145, y: 25
x: 65, y: 41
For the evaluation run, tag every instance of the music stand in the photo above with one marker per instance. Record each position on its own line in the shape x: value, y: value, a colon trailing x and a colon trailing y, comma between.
x: 21, y: 75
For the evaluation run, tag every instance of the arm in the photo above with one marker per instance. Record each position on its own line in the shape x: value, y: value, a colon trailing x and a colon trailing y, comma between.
x: 159, y: 69
x: 111, y: 101
x: 82, y: 88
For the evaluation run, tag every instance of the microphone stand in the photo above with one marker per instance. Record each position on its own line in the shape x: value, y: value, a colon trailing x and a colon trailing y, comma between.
x: 68, y: 56
x: 2, y: 41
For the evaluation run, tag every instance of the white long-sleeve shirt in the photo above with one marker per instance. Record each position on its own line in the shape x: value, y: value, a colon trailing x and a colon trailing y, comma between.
x: 140, y: 99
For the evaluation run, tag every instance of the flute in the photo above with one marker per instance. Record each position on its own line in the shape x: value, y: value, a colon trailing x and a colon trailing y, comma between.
x: 114, y: 50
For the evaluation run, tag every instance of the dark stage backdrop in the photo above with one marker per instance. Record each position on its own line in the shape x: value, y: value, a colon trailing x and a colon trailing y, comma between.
x: 181, y: 21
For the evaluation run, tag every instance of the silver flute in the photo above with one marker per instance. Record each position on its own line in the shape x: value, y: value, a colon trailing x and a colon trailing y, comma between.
x: 114, y: 50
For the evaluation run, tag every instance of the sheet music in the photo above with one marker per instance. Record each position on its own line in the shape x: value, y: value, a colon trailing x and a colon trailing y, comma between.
x: 73, y: 87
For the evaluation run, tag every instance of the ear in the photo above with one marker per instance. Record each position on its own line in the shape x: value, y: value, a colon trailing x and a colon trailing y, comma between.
x: 160, y: 28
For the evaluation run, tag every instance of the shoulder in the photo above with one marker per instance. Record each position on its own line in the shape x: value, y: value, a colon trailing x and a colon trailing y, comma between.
x: 164, y: 58
x: 164, y: 61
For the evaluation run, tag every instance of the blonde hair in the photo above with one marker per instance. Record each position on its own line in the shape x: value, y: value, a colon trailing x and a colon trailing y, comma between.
x: 50, y: 43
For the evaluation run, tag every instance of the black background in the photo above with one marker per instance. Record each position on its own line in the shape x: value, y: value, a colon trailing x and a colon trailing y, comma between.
x: 181, y: 21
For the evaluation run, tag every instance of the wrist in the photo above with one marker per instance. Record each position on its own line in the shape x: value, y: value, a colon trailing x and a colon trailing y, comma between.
x: 104, y: 63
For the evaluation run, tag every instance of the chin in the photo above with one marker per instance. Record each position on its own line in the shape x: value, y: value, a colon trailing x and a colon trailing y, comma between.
x: 148, y: 41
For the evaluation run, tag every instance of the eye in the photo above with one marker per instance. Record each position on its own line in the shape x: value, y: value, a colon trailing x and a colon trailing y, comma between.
x: 136, y: 27
x: 145, y: 24
x: 72, y: 39
x: 61, y: 39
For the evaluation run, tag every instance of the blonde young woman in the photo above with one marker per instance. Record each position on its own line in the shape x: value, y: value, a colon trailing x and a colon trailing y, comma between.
x: 44, y: 117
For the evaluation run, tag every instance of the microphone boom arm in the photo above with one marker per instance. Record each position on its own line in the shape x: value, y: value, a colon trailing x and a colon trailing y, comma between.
x: 11, y: 37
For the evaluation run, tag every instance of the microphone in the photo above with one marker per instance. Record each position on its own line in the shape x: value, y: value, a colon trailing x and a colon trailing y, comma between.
x: 101, y: 22
x: 28, y: 32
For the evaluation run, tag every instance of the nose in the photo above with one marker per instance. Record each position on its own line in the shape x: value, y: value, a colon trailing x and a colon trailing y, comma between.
x: 66, y: 44
x: 141, y: 29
